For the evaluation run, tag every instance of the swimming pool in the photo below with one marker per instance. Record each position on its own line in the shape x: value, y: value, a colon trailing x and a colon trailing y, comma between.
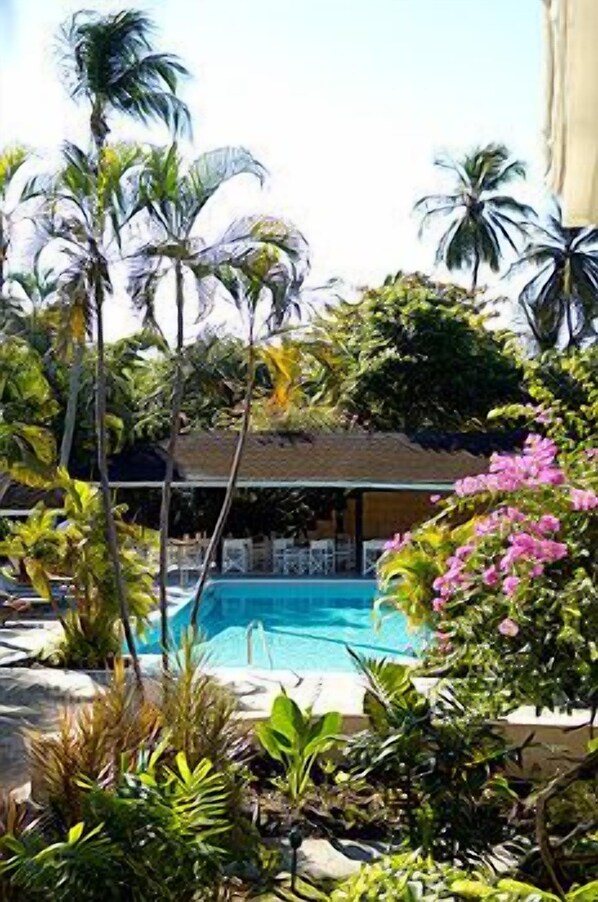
x: 298, y: 624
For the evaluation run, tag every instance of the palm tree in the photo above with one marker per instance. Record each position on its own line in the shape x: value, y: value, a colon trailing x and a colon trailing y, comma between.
x: 560, y: 301
x: 264, y: 285
x: 87, y: 206
x: 30, y: 293
x: 174, y: 196
x: 11, y: 160
x: 481, y: 220
x: 108, y: 61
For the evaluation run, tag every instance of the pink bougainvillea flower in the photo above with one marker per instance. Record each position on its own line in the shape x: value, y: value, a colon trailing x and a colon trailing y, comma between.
x: 510, y: 584
x: 583, y: 499
x: 537, y: 570
x: 490, y: 575
x: 548, y: 523
x: 438, y: 604
x: 435, y: 498
x: 508, y: 627
x: 464, y: 552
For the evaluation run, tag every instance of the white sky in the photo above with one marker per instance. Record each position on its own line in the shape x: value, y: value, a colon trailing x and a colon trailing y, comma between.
x: 345, y: 101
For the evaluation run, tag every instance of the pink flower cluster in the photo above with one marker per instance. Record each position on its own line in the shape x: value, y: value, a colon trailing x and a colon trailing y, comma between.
x: 397, y: 542
x: 508, y: 472
x: 530, y: 548
x: 583, y: 499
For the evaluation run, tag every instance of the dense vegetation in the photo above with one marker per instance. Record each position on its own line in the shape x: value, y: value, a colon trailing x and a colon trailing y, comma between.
x: 158, y: 790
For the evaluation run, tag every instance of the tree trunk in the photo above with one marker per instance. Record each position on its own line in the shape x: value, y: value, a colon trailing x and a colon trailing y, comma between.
x: 230, y: 489
x: 171, y: 451
x: 110, y: 524
x: 475, y: 271
x: 70, y: 418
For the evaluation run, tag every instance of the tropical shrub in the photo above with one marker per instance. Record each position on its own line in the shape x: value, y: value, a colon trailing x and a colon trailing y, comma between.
x: 147, y: 837
x: 507, y: 573
x: 444, y: 764
x: 416, y: 354
x: 297, y: 740
x: 71, y: 543
x: 411, y: 878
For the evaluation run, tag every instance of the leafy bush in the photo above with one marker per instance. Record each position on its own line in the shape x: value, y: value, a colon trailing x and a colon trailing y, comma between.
x: 147, y: 838
x: 507, y: 572
x: 78, y: 551
x: 297, y: 739
x: 513, y: 590
x: 442, y: 759
x: 411, y: 878
x: 90, y: 741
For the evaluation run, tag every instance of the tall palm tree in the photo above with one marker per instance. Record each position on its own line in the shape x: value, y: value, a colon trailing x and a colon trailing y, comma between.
x: 11, y: 160
x: 87, y: 205
x: 174, y: 196
x: 108, y: 61
x: 264, y: 285
x: 481, y: 220
x: 560, y: 301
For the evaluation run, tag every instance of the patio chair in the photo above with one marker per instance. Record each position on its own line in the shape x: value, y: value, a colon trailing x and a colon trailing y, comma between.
x: 321, y: 557
x: 372, y: 549
x: 279, y: 547
x: 295, y: 561
x: 235, y: 556
x: 345, y: 553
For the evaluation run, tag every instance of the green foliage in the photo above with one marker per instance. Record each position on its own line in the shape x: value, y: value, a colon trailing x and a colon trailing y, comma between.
x: 150, y: 836
x: 445, y: 764
x: 297, y: 740
x: 405, y: 878
x: 412, y: 878
x: 82, y: 866
x: 531, y: 638
x: 77, y: 550
x: 416, y: 354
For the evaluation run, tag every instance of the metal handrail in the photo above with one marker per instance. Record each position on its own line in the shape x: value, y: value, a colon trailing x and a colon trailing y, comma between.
x: 257, y: 624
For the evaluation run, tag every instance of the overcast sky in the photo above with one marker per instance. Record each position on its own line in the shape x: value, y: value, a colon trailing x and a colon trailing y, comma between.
x: 345, y: 101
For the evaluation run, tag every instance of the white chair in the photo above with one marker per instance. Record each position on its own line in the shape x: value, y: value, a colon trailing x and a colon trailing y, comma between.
x: 190, y: 560
x: 279, y: 547
x: 372, y: 549
x: 235, y: 556
x: 345, y: 553
x: 295, y: 561
x: 321, y: 557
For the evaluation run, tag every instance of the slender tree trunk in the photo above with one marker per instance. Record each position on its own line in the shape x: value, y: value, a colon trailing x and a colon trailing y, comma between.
x: 171, y: 451
x: 110, y: 524
x: 475, y: 271
x: 230, y: 488
x: 70, y: 418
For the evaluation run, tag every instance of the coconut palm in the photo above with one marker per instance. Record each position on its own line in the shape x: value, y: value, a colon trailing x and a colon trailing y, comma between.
x: 264, y: 286
x: 174, y: 195
x: 108, y: 61
x: 86, y: 207
x: 481, y: 220
x: 560, y: 301
x: 11, y: 160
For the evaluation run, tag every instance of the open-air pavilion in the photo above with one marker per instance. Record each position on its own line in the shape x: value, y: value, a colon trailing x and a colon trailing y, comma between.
x: 371, y: 486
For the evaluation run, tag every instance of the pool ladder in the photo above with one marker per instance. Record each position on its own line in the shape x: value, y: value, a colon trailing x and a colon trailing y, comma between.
x: 258, y: 625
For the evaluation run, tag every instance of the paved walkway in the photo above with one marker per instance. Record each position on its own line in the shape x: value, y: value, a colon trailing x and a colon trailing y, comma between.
x: 22, y: 640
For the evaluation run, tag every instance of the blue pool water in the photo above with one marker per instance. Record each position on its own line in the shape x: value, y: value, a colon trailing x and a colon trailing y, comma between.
x: 307, y: 624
